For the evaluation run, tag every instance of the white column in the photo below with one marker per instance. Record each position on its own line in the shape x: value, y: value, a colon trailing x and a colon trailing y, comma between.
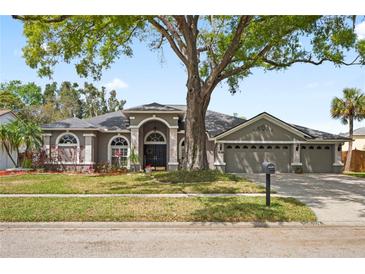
x: 296, y: 162
x: 173, y: 164
x: 337, y: 165
x: 89, y: 149
x: 337, y: 154
x: 47, y: 143
x: 219, y: 157
x: 135, y: 145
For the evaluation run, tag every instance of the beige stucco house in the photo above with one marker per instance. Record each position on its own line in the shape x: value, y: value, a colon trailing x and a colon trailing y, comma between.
x: 359, y: 140
x: 156, y: 133
x: 6, y: 116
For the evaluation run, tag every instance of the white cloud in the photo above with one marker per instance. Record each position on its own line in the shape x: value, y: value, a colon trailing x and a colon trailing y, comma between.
x: 360, y: 30
x: 312, y: 85
x: 116, y: 84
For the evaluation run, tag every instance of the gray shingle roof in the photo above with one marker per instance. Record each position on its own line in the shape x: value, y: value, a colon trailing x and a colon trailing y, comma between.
x: 152, y: 107
x: 215, y: 122
x: 318, y: 134
x: 70, y: 123
x: 359, y: 131
x: 110, y: 121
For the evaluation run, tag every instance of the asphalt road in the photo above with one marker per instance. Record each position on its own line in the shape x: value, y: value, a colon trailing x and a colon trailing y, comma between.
x: 179, y: 240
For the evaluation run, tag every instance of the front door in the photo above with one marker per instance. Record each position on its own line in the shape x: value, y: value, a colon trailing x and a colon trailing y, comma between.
x: 155, y: 155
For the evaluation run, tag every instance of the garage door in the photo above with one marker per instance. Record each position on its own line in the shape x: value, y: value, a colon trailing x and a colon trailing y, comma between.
x: 316, y: 158
x: 248, y: 158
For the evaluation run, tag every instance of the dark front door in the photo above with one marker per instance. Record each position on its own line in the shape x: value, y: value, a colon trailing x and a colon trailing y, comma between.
x: 155, y: 155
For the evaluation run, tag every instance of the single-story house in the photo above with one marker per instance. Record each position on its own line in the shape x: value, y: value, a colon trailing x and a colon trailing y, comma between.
x: 358, y: 140
x: 6, y: 116
x: 155, y: 133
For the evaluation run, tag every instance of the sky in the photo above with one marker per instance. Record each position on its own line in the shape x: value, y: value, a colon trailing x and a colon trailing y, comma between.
x: 300, y: 95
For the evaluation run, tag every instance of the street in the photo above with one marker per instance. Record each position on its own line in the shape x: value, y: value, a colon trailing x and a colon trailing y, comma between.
x: 179, y: 240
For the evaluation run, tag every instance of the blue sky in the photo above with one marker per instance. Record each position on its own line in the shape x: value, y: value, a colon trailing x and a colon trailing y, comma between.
x: 300, y: 95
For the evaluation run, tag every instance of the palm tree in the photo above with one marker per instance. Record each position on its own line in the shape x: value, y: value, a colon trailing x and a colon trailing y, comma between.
x: 349, y: 108
x: 18, y: 133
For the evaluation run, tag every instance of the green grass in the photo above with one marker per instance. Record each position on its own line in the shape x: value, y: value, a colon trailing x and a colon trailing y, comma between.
x: 356, y: 174
x: 132, y: 183
x: 229, y: 209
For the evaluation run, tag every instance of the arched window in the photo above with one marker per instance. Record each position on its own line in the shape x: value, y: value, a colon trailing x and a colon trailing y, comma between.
x: 229, y: 147
x: 285, y: 147
x: 261, y: 147
x: 245, y: 147
x: 68, y: 148
x: 269, y: 147
x: 253, y: 147
x: 155, y: 137
x: 237, y: 147
x: 119, y: 151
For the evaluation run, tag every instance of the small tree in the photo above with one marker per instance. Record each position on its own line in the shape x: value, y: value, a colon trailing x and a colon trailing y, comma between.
x: 17, y: 133
x: 349, y: 108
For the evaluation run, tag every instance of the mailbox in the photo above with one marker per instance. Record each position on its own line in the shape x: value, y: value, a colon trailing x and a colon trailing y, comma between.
x: 268, y: 168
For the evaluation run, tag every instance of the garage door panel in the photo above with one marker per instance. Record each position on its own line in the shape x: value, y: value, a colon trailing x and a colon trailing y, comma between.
x: 248, y: 159
x: 316, y: 158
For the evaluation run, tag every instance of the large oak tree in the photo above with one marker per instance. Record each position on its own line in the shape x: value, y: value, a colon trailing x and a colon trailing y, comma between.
x: 213, y: 49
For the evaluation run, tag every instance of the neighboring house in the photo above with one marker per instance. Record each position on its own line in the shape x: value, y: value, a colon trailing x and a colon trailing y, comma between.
x: 156, y: 133
x: 6, y: 116
x: 359, y: 140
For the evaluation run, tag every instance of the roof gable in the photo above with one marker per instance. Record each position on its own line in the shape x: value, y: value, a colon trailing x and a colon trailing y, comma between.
x: 264, y: 115
x: 153, y: 107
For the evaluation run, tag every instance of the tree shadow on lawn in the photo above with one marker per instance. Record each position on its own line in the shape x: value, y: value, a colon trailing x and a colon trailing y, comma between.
x: 221, y: 209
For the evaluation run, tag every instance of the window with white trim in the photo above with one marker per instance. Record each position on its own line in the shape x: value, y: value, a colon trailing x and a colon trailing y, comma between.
x: 68, y: 148
x: 119, y: 152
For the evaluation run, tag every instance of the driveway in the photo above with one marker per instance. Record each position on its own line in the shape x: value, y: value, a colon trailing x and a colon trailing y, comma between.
x: 335, y: 198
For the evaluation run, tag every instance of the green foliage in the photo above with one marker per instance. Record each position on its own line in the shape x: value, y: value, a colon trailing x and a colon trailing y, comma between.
x: 19, y: 133
x: 30, y: 94
x: 268, y: 42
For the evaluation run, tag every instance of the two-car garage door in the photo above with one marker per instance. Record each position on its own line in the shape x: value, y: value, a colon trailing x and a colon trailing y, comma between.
x: 248, y: 158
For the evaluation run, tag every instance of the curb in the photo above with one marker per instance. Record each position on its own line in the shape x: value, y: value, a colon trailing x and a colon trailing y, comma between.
x: 166, y: 225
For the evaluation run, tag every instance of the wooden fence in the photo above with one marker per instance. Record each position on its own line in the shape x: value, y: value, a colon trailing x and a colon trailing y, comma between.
x: 357, y: 160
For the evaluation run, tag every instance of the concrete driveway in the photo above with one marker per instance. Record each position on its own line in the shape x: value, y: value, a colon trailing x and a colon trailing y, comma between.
x: 335, y: 198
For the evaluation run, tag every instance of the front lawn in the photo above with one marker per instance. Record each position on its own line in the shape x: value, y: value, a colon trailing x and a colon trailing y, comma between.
x: 228, y: 209
x: 131, y: 183
x: 356, y: 174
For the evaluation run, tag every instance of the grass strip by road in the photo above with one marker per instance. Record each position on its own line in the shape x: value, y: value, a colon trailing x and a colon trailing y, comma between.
x: 132, y: 183
x: 356, y: 174
x: 227, y: 209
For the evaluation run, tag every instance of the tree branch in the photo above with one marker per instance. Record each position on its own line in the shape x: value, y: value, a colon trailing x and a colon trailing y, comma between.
x: 42, y: 19
x: 169, y: 38
x: 308, y: 61
x: 170, y: 27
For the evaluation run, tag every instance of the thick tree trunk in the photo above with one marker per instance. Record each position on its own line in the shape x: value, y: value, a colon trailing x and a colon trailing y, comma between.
x: 195, y: 133
x: 349, y: 151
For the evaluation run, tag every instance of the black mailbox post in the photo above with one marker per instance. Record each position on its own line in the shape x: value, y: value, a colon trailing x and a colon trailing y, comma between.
x: 268, y: 168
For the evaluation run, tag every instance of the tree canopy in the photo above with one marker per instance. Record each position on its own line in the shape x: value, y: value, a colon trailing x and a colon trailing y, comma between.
x: 213, y: 49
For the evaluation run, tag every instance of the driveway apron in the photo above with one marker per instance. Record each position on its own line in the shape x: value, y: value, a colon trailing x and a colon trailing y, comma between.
x: 335, y: 198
